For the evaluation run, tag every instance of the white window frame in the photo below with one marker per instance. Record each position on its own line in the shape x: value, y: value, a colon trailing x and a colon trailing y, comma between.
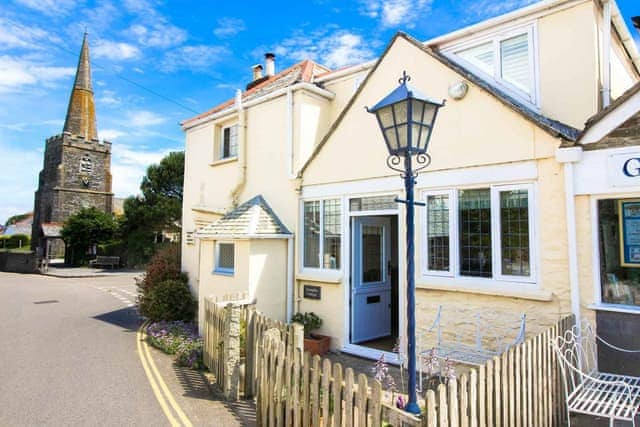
x: 496, y: 232
x: 224, y: 270
x: 220, y: 154
x: 321, y: 267
x: 453, y: 226
x: 495, y: 38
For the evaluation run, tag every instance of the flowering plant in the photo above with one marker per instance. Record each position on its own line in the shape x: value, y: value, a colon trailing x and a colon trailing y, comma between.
x: 179, y: 338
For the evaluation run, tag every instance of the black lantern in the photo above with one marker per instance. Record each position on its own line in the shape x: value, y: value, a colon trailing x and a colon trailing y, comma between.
x: 406, y: 119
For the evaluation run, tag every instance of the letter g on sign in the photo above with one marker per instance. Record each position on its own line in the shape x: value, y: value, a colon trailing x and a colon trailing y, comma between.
x: 631, y: 167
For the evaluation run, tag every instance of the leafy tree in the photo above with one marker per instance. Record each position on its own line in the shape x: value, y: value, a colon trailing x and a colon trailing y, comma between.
x: 17, y: 218
x: 157, y: 210
x: 82, y: 231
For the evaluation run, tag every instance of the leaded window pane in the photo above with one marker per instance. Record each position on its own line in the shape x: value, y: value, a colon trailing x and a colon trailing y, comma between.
x: 226, y: 256
x: 438, y: 232
x: 474, y: 211
x: 332, y: 237
x: 312, y: 234
x: 372, y: 257
x: 514, y: 232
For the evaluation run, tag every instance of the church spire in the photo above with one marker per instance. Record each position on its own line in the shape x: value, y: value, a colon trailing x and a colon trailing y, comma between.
x: 81, y: 113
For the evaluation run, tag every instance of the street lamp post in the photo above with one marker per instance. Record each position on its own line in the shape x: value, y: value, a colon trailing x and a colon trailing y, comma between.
x: 406, y: 120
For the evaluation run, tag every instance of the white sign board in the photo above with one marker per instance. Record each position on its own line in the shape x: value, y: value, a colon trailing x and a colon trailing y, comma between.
x: 623, y: 170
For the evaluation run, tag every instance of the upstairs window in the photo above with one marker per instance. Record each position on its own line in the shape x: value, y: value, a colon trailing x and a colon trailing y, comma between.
x: 506, y: 59
x: 228, y: 142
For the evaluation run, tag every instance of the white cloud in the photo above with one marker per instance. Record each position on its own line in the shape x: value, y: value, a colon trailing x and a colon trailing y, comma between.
x: 329, y: 46
x: 16, y: 35
x: 396, y: 13
x: 24, y: 126
x: 115, y: 51
x: 143, y: 118
x: 18, y: 180
x: 193, y: 58
x: 229, y: 27
x: 49, y: 7
x: 17, y: 73
x: 108, y: 97
x: 483, y: 9
x: 110, y: 134
x: 129, y: 165
x: 159, y: 34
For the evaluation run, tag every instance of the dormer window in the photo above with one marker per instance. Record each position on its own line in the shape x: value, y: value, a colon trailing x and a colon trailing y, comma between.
x: 506, y: 59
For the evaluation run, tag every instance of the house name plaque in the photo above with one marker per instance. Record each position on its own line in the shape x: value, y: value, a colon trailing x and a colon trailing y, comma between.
x: 312, y: 292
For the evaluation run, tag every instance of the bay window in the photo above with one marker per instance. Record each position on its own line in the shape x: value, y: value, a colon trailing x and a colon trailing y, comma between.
x: 480, y: 233
x: 322, y: 234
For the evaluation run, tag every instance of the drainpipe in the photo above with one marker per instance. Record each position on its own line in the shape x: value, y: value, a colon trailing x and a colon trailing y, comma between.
x: 290, y: 295
x: 606, y: 53
x: 569, y: 156
x: 242, y: 150
x: 290, y: 133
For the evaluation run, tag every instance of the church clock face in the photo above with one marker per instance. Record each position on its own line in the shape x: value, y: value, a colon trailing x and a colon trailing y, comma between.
x: 86, y: 170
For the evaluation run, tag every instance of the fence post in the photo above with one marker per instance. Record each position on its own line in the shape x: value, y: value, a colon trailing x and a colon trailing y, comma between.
x: 298, y: 337
x: 231, y: 356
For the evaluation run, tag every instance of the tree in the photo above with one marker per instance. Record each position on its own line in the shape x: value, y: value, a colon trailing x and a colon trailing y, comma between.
x: 157, y: 210
x: 85, y: 230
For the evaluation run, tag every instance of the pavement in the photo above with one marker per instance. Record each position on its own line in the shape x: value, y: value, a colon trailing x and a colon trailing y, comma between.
x: 72, y: 355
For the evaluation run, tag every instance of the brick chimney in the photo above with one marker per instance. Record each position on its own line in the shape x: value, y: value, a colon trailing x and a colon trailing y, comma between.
x: 270, y: 63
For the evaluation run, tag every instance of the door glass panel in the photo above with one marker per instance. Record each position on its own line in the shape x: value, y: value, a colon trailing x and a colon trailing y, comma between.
x: 372, y: 253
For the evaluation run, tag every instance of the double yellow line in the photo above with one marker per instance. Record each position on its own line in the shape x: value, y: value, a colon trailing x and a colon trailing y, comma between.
x: 177, y: 417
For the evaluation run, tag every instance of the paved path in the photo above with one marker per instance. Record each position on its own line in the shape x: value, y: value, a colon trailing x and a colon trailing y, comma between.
x: 70, y: 357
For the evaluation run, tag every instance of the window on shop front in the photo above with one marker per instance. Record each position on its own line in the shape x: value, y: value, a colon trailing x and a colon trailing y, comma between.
x: 322, y: 234
x: 619, y: 244
x: 480, y: 232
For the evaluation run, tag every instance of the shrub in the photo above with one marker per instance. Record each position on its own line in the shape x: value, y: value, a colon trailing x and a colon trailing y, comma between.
x: 168, y: 300
x: 309, y: 320
x: 163, y: 293
x: 179, y: 338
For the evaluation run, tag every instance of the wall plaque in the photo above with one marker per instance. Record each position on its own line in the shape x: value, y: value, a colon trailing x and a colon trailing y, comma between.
x: 312, y: 292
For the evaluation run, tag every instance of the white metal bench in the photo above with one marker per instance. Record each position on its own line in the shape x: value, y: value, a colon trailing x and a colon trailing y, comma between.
x: 474, y: 340
x: 587, y: 390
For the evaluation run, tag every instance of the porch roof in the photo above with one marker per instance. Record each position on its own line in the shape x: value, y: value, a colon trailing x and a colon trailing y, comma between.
x: 252, y: 219
x: 52, y: 230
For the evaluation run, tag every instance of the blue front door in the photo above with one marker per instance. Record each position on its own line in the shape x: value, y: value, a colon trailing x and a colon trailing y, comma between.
x: 371, y: 279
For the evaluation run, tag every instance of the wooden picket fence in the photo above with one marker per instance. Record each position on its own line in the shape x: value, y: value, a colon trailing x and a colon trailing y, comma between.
x: 297, y: 390
x: 520, y: 388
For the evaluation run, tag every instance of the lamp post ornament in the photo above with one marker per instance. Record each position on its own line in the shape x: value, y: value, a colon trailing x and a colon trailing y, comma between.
x: 406, y: 119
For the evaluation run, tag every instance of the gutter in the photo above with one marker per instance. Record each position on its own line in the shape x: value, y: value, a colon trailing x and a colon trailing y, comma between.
x: 290, y: 279
x: 271, y: 95
x: 345, y: 72
x: 568, y: 156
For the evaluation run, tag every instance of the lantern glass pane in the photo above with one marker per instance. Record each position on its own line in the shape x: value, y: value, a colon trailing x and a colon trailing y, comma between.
x: 424, y: 137
x: 400, y: 110
x: 385, y: 115
x: 429, y: 113
x: 417, y: 108
x: 392, y: 140
x: 415, y: 136
x: 402, y: 136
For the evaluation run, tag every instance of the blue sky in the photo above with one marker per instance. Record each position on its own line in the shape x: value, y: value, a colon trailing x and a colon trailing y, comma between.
x: 156, y: 63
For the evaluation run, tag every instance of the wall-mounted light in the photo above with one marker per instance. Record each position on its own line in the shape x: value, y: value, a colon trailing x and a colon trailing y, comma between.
x: 458, y: 90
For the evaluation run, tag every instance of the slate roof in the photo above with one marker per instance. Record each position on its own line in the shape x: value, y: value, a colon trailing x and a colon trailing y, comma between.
x: 303, y: 71
x: 253, y: 218
x: 615, y: 104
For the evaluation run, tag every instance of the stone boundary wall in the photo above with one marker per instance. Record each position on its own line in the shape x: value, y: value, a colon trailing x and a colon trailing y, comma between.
x: 18, y: 262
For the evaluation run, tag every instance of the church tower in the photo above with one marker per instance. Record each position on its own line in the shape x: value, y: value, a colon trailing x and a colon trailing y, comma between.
x: 77, y: 167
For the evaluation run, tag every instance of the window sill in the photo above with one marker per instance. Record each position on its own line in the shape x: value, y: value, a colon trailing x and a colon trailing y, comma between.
x: 320, y: 276
x: 489, y: 287
x: 618, y: 308
x: 223, y: 161
x: 223, y: 273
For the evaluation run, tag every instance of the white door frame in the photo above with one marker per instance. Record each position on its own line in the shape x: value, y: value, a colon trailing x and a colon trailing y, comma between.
x: 355, y: 349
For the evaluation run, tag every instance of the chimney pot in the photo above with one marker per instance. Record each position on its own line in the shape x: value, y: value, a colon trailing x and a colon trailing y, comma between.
x: 257, y: 71
x: 270, y: 63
